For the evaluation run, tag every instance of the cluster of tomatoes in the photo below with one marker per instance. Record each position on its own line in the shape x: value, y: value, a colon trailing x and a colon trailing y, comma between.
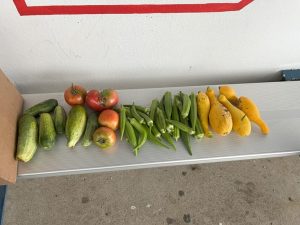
x: 100, y: 101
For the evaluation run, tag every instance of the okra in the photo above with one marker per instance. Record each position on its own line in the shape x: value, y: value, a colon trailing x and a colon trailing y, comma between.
x: 136, y: 115
x: 160, y: 120
x: 168, y: 104
x: 142, y: 137
x: 122, y: 121
x: 193, y: 111
x: 155, y: 131
x: 149, y: 122
x: 186, y: 105
x: 175, y: 116
x: 155, y: 140
x: 154, y: 105
x: 185, y: 137
x: 140, y: 108
x: 182, y: 126
x: 199, y: 131
x: 130, y: 134
x: 169, y: 139
x: 178, y: 103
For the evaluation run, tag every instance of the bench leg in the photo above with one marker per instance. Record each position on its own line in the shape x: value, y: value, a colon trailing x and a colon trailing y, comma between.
x: 2, y: 201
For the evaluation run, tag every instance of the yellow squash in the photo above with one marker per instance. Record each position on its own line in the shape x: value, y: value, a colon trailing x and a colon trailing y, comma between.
x: 250, y: 109
x: 219, y: 117
x: 241, y: 123
x: 229, y: 93
x: 203, y: 107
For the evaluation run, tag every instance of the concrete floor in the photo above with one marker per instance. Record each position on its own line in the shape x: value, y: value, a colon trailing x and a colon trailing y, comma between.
x: 262, y: 192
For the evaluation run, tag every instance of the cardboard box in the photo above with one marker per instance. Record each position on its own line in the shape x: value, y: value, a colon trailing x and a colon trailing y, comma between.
x: 11, y: 103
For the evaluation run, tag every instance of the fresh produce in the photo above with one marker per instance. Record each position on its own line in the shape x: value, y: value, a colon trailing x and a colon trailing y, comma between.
x: 185, y: 137
x: 182, y: 126
x: 122, y: 121
x: 219, y: 117
x: 75, y: 95
x: 154, y: 105
x: 241, y: 123
x: 47, y: 134
x: 140, y: 108
x: 104, y: 137
x: 130, y: 134
x: 160, y: 121
x: 59, y: 118
x: 186, y: 105
x: 155, y: 131
x: 42, y: 107
x: 193, y: 111
x: 136, y: 115
x: 168, y: 104
x: 199, y: 131
x: 229, y: 93
x: 109, y: 118
x: 100, y: 100
x: 203, y: 105
x: 142, y: 134
x: 75, y: 126
x: 154, y: 139
x: 27, y: 138
x: 251, y: 110
x: 175, y: 116
x: 169, y: 139
x: 91, y: 126
x: 146, y: 118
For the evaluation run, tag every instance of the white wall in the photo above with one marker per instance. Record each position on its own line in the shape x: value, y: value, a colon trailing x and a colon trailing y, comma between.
x: 46, y: 53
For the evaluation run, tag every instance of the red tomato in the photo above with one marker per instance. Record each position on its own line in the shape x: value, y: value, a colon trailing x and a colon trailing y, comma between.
x: 109, y: 118
x: 99, y: 100
x: 75, y: 95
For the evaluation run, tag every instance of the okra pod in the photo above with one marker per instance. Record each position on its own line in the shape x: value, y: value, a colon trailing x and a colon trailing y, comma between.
x: 160, y: 120
x: 182, y: 126
x: 122, y: 121
x: 154, y: 105
x: 168, y: 104
x: 199, y: 131
x: 149, y: 122
x: 130, y: 134
x: 143, y: 134
x: 153, y: 139
x: 140, y: 108
x: 169, y: 139
x: 185, y: 137
x: 175, y: 116
x: 178, y: 103
x: 186, y: 105
x: 193, y: 110
x: 136, y: 115
x: 155, y: 131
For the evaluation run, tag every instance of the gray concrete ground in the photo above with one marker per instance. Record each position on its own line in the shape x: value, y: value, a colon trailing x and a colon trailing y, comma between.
x: 264, y: 192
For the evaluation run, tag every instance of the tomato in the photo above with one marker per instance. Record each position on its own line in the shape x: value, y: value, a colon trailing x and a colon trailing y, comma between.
x: 75, y: 95
x: 109, y: 118
x: 99, y: 100
x: 104, y: 137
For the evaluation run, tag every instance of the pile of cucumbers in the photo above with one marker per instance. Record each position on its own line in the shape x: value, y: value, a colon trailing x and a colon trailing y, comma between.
x: 40, y: 125
x: 166, y: 121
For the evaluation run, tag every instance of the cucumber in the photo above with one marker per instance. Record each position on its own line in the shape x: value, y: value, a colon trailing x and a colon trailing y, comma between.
x: 59, y: 119
x: 47, y: 135
x: 75, y: 126
x: 91, y: 126
x: 42, y: 107
x: 27, y: 138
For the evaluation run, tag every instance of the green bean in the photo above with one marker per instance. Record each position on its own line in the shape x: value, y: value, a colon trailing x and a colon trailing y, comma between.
x: 155, y: 131
x: 149, y: 122
x: 186, y: 105
x: 122, y: 121
x: 143, y: 134
x: 154, y: 105
x: 182, y: 126
x: 130, y: 134
x: 199, y: 131
x: 136, y: 115
x: 168, y: 104
x: 160, y: 120
x: 175, y: 116
x: 140, y: 108
x: 153, y: 139
x: 169, y: 139
x: 185, y: 137
x: 193, y: 111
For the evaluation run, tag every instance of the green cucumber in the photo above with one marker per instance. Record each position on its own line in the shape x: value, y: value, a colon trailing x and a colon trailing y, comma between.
x: 91, y: 126
x: 47, y: 135
x: 27, y: 138
x: 59, y: 119
x: 42, y: 107
x: 75, y: 126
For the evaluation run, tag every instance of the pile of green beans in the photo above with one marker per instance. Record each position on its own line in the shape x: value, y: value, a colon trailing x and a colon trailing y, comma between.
x: 166, y: 120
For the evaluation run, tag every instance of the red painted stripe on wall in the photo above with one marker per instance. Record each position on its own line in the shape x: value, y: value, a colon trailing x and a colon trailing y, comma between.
x: 25, y: 10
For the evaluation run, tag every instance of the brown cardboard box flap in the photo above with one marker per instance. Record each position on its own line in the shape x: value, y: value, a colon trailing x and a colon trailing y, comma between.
x: 11, y: 103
